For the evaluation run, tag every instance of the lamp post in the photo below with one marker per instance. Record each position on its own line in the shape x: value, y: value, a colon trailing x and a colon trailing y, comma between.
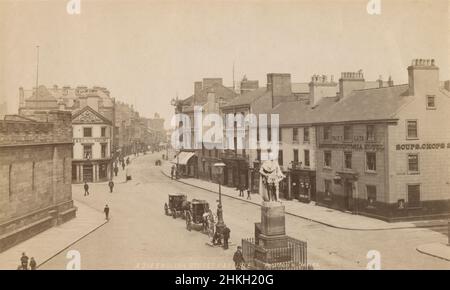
x: 220, y: 223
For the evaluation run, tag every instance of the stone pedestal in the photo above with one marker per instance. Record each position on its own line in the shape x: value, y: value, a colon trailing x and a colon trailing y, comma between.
x: 272, y: 227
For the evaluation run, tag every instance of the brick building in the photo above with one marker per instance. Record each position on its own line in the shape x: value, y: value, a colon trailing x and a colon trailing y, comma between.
x: 35, y: 170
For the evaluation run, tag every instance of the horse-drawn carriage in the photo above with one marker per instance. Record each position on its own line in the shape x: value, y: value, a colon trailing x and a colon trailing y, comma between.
x: 196, y: 215
x: 177, y: 205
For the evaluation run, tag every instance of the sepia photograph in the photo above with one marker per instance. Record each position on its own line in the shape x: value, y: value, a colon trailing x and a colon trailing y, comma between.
x: 226, y: 135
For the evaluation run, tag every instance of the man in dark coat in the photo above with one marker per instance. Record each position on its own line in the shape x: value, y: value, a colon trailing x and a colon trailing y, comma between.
x: 106, y: 211
x: 226, y: 236
x: 111, y: 186
x: 86, y: 189
x: 238, y: 258
x: 24, y: 261
x: 33, y: 264
x: 116, y: 170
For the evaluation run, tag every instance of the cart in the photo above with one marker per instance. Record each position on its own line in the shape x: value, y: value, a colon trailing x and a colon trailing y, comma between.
x: 175, y: 207
x: 196, y: 215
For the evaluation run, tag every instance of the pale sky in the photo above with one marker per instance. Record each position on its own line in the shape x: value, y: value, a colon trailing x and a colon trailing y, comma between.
x: 145, y: 52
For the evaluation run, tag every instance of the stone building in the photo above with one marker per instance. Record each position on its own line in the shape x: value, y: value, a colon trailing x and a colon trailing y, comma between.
x: 379, y: 150
x: 35, y: 182
x: 92, y: 140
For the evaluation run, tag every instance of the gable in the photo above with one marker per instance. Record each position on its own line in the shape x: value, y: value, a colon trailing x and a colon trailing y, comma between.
x: 89, y: 116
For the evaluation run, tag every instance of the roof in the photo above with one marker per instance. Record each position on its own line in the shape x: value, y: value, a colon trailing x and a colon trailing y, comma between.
x: 366, y: 105
x: 300, y: 88
x: 43, y: 94
x: 247, y: 98
x: 300, y: 112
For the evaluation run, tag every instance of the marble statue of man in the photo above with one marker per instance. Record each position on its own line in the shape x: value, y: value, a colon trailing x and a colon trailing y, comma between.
x: 270, y: 178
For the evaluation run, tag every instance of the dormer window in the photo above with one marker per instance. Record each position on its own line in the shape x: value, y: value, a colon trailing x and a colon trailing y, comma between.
x: 431, y: 102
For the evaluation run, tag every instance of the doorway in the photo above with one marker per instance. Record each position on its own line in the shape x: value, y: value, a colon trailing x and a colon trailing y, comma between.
x: 348, y: 195
x: 88, y: 175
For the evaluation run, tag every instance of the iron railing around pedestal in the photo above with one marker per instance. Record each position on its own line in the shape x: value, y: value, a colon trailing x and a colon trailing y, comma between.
x: 292, y: 257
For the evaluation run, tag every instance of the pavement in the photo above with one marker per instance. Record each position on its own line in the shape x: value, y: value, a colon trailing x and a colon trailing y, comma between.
x: 437, y: 250
x: 49, y: 243
x: 319, y: 214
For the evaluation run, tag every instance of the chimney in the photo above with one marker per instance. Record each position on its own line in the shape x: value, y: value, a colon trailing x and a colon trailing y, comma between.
x: 197, y: 87
x: 423, y: 77
x: 21, y: 98
x: 390, y: 82
x: 321, y: 87
x: 279, y: 84
x: 209, y: 82
x: 248, y: 86
x: 349, y: 82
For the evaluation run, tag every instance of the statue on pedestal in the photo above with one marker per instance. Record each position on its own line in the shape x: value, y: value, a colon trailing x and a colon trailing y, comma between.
x: 270, y: 178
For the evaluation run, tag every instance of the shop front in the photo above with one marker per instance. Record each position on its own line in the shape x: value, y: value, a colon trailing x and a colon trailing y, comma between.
x: 91, y: 171
x: 303, y: 184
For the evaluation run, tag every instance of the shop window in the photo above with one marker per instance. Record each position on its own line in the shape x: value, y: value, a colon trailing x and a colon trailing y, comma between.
x: 431, y: 102
x: 370, y: 132
x: 87, y: 132
x: 348, y: 134
x: 371, y: 161
x: 307, y: 161
x: 371, y: 194
x: 327, y: 132
x: 348, y: 160
x: 327, y: 158
x: 413, y: 163
x: 306, y: 135
x: 411, y: 129
x: 413, y: 195
x: 295, y: 134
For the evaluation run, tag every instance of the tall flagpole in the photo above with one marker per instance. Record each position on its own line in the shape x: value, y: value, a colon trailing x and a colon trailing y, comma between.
x: 37, y: 70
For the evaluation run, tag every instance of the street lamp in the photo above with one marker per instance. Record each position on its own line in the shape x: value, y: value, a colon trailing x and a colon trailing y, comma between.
x: 220, y: 224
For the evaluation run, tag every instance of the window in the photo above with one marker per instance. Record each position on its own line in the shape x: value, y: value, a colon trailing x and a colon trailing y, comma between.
x: 413, y: 195
x: 87, y: 132
x: 306, y: 135
x: 431, y: 102
x: 348, y: 160
x: 295, y: 134
x: 413, y: 163
x: 307, y: 163
x: 103, y: 132
x: 412, y: 129
x: 327, y: 187
x: 371, y: 194
x: 280, y: 157
x: 269, y: 134
x: 280, y: 134
x: 258, y: 154
x: 326, y: 132
x: 103, y: 150
x: 348, y: 133
x: 370, y: 132
x: 87, y: 151
x: 295, y: 156
x: 235, y: 144
x: 327, y: 158
x: 371, y: 161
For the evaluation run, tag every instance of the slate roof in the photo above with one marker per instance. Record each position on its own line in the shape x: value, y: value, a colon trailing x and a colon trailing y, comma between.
x: 247, y: 98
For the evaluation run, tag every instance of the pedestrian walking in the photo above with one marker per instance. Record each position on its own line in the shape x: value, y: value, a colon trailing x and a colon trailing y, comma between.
x: 106, y: 211
x: 24, y: 261
x: 123, y: 165
x: 238, y: 258
x: 116, y: 170
x: 111, y: 186
x: 241, y: 190
x: 249, y: 194
x: 128, y: 160
x: 172, y: 171
x: 86, y: 189
x: 33, y: 264
x: 226, y: 236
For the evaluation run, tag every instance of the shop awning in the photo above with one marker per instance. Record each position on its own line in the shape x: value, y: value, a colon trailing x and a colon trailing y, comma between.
x: 183, y: 158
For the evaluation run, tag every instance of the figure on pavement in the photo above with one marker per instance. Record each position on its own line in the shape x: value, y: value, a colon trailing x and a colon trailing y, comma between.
x: 86, y: 189
x: 238, y: 258
x: 24, y: 261
x: 111, y: 185
x: 106, y: 211
x: 116, y: 170
x: 33, y: 264
x: 226, y: 236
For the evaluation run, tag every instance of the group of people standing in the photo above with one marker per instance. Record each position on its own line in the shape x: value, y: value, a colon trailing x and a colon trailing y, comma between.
x: 27, y: 263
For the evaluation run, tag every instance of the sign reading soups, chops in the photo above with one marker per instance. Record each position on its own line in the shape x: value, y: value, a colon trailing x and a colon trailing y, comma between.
x: 423, y: 146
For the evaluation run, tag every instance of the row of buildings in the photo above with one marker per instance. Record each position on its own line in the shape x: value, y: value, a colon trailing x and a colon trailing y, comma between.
x: 367, y: 147
x: 103, y: 128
